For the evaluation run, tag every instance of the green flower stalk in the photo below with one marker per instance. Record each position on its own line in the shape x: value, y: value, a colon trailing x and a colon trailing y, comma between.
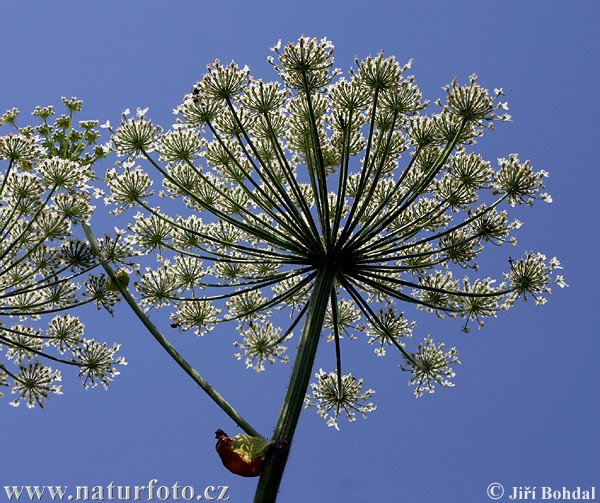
x: 45, y: 202
x: 335, y: 199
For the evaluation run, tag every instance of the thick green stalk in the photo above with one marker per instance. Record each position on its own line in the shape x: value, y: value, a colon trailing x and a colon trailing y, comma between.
x: 179, y: 359
x: 274, y: 466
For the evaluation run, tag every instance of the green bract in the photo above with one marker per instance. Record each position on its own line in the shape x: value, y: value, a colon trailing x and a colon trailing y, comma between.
x: 249, y: 448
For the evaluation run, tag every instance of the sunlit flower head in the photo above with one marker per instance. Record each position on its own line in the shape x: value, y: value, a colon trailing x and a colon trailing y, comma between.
x: 19, y: 149
x: 431, y: 367
x: 261, y: 344
x: 34, y: 383
x: 333, y: 398
x: 96, y: 362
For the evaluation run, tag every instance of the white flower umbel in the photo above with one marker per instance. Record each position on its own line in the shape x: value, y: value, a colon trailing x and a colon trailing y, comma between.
x: 45, y: 268
x: 316, y: 176
x: 339, y: 200
x: 431, y: 366
x: 262, y: 344
x: 34, y: 383
x: 332, y: 397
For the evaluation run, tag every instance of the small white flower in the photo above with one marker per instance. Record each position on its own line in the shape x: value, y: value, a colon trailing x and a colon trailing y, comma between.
x: 555, y: 263
x: 98, y: 193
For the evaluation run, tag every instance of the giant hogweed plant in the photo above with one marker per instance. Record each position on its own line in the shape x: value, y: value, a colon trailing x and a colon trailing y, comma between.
x: 334, y: 199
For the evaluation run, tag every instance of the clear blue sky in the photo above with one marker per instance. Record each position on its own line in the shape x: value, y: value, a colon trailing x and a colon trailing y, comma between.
x: 525, y: 408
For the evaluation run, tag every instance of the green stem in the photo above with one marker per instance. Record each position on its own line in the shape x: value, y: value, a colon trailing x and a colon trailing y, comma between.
x: 6, y: 177
x: 274, y: 466
x: 179, y: 359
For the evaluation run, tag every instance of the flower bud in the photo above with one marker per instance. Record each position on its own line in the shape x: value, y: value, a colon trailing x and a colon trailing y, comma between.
x: 122, y: 280
x: 242, y: 454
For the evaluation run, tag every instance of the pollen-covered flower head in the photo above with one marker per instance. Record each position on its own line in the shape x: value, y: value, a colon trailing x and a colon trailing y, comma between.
x: 97, y: 362
x: 223, y: 82
x: 381, y: 73
x: 519, y: 181
x: 532, y: 275
x: 181, y: 144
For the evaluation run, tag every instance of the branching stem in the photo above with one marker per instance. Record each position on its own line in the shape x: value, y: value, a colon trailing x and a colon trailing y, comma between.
x: 173, y: 353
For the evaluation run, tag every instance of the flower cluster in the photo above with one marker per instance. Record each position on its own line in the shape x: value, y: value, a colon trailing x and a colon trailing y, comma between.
x: 262, y: 343
x: 332, y: 396
x: 338, y: 199
x: 431, y: 366
x: 45, y: 265
x: 34, y: 381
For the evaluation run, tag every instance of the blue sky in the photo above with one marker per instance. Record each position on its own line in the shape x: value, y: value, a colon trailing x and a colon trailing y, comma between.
x: 524, y: 410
